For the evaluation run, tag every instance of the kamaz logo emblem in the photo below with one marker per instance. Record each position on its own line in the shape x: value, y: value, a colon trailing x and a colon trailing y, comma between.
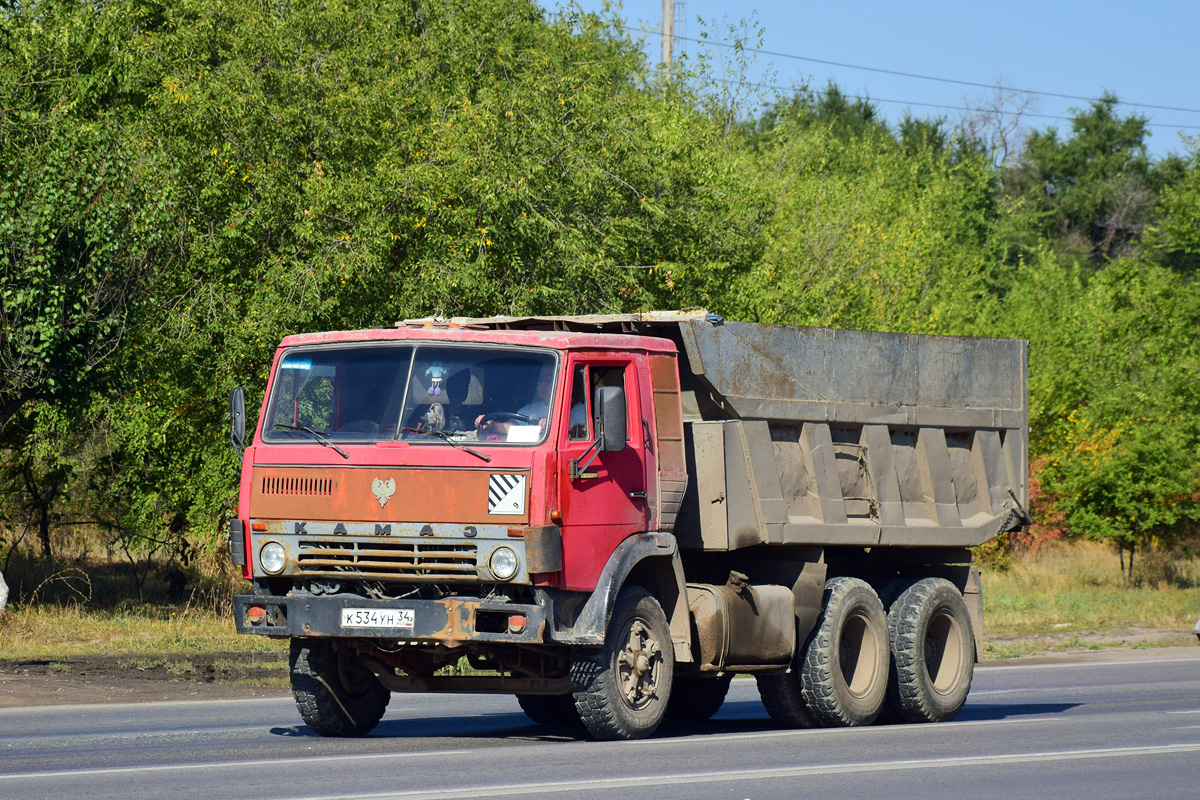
x: 383, y: 490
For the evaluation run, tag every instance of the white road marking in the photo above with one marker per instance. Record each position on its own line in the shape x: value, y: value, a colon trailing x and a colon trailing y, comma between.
x: 987, y: 692
x: 643, y: 743
x: 267, y: 762
x: 1076, y: 664
x: 641, y: 781
x: 824, y: 732
x: 113, y: 736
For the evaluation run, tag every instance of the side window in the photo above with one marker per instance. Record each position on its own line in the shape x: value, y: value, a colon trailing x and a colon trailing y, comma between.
x: 578, y: 431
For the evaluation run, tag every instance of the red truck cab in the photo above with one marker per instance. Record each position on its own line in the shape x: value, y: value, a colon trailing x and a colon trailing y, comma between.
x: 418, y: 494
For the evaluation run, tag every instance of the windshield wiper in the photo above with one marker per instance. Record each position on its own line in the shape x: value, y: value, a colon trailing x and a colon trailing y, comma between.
x: 319, y: 437
x: 445, y: 437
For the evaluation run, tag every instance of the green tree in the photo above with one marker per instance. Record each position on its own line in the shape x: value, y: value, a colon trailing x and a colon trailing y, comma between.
x: 343, y: 165
x: 869, y: 233
x: 81, y: 233
x: 847, y: 117
x: 1177, y: 237
x: 87, y: 210
x: 1096, y: 189
x: 1114, y: 383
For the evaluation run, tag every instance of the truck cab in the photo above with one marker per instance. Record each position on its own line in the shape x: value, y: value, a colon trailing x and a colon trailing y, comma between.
x: 417, y: 495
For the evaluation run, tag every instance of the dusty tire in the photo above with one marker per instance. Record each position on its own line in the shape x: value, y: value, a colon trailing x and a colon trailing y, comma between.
x: 621, y: 690
x: 555, y: 710
x: 697, y: 699
x: 888, y: 593
x: 335, y: 696
x: 783, y: 698
x: 844, y: 676
x: 933, y: 652
x: 891, y: 590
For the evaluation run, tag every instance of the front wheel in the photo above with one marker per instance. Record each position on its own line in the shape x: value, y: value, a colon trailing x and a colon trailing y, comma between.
x: 621, y: 690
x: 336, y: 695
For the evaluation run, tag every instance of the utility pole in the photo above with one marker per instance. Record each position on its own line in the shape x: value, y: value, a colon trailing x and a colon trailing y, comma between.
x: 668, y: 31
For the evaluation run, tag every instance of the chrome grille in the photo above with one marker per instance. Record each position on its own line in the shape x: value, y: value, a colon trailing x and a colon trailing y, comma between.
x: 423, y: 561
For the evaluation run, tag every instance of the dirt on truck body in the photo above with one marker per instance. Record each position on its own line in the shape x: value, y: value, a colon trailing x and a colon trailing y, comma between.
x: 610, y: 515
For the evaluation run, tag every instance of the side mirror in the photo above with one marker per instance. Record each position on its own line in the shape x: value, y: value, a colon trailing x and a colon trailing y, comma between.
x: 609, y: 405
x: 237, y: 419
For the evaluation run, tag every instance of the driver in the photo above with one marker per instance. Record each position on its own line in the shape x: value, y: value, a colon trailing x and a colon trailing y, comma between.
x: 536, y: 410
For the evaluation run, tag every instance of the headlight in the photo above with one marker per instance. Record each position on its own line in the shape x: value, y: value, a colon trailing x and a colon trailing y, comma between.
x: 272, y: 557
x: 503, y: 563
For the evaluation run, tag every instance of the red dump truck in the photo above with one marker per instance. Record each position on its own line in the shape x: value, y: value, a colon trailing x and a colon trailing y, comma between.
x: 609, y: 516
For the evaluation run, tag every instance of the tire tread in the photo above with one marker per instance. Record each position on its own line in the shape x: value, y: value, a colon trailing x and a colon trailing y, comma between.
x: 697, y: 699
x: 313, y: 667
x: 596, y: 699
x: 910, y: 695
x: 819, y: 679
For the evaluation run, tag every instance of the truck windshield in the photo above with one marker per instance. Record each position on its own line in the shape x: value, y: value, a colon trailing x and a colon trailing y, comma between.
x: 490, y: 395
x: 422, y: 394
x: 342, y: 393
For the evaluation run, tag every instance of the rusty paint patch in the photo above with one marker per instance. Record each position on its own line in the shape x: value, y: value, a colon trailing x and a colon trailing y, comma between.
x: 460, y: 622
x: 426, y: 495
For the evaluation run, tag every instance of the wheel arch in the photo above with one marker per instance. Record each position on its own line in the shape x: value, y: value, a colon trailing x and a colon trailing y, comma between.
x: 649, y: 560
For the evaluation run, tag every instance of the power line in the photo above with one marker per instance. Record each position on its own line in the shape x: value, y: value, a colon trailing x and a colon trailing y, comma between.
x: 869, y: 99
x: 915, y: 75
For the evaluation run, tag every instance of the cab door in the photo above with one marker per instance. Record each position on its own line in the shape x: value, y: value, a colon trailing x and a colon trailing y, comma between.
x: 606, y: 501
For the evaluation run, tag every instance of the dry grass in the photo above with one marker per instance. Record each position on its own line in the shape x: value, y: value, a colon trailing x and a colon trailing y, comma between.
x: 79, y: 605
x: 62, y: 631
x: 1077, y: 587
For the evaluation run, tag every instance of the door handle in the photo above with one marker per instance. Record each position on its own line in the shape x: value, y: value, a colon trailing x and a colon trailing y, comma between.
x: 642, y: 495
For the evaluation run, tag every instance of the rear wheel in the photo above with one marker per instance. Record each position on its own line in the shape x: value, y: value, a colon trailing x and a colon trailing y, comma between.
x: 336, y: 695
x: 888, y: 593
x: 892, y: 589
x: 549, y: 709
x: 697, y: 699
x: 844, y: 674
x: 933, y: 652
x: 621, y: 690
x: 784, y: 700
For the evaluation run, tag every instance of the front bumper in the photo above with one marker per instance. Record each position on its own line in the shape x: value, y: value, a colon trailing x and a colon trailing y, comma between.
x: 450, y: 621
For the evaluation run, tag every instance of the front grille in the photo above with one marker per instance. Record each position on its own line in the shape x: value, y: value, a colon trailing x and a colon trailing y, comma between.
x: 309, y: 487
x: 387, y: 560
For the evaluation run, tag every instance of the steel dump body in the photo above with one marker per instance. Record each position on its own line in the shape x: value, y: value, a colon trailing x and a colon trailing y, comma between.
x: 815, y: 436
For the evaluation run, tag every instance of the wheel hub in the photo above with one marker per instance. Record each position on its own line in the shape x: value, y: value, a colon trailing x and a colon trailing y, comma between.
x: 639, y: 665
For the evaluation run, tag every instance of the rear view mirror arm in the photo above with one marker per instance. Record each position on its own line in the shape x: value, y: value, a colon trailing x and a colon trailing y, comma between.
x: 577, y: 471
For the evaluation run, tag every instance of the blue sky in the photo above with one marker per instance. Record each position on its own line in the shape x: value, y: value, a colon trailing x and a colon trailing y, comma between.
x: 1146, y: 53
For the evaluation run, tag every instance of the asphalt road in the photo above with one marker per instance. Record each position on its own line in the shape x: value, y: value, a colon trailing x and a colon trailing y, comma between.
x: 1127, y: 726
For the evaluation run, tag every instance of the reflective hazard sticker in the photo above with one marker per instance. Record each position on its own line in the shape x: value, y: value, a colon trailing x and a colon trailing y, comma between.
x: 506, y: 494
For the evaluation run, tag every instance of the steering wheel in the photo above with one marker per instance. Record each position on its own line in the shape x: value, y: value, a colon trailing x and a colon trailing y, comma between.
x: 507, y: 416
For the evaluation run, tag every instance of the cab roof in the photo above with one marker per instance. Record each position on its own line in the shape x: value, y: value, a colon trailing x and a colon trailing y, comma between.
x: 447, y: 331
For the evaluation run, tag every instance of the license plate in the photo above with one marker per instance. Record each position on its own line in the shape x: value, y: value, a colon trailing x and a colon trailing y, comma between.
x: 377, y: 618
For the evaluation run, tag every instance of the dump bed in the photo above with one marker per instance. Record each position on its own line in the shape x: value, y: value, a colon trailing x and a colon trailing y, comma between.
x: 835, y: 437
